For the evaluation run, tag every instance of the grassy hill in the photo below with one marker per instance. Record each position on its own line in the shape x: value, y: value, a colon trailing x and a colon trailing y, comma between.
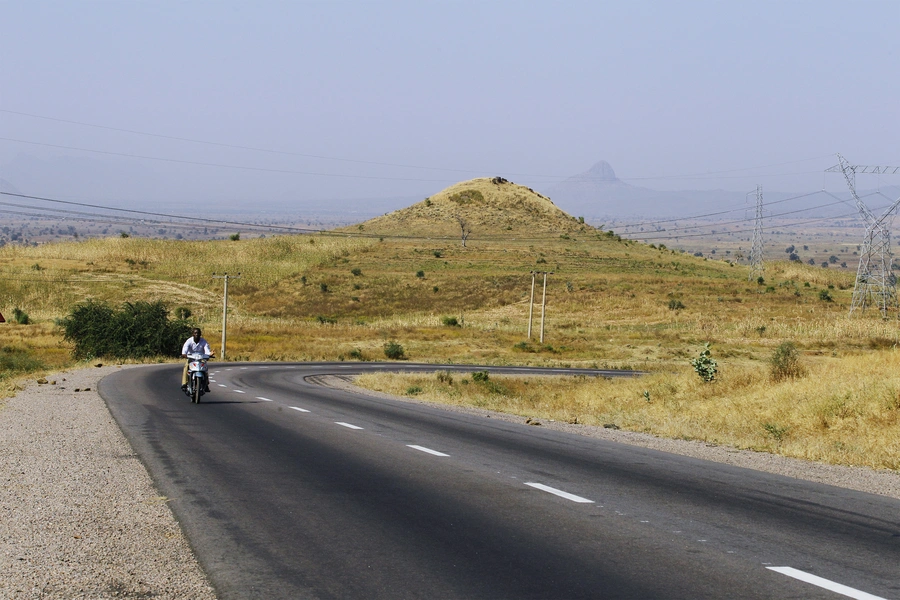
x: 406, y: 278
x: 493, y: 208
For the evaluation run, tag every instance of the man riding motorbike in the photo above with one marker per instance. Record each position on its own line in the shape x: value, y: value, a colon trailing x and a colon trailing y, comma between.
x: 194, y: 345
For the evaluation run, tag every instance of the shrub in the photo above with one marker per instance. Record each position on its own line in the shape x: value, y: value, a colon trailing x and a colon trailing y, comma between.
x: 785, y: 362
x: 825, y: 296
x: 20, y: 316
x: 356, y: 354
x: 356, y: 272
x: 437, y: 254
x: 394, y: 351
x: 445, y: 377
x: 450, y: 321
x: 675, y: 304
x: 420, y: 274
x: 234, y: 237
x: 183, y: 312
x: 480, y: 376
x: 413, y: 390
x: 705, y: 365
x: 324, y: 287
x: 326, y: 320
x: 136, y: 330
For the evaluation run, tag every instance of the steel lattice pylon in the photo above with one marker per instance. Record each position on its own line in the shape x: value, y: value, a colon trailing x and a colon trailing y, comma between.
x: 756, y: 250
x: 875, y: 281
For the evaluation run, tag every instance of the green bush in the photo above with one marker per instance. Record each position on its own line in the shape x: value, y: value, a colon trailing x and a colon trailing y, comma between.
x: 420, y: 274
x: 413, y: 390
x: 785, y: 362
x: 356, y: 272
x: 394, y: 351
x: 135, y: 330
x: 705, y: 365
x: 481, y: 376
x: 20, y: 316
x: 675, y: 304
x: 356, y: 354
x: 450, y: 321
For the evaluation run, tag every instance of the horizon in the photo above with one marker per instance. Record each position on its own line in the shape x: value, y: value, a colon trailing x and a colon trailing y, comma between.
x: 323, y: 101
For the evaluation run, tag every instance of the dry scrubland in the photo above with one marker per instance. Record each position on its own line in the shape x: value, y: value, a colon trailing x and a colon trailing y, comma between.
x: 611, y: 303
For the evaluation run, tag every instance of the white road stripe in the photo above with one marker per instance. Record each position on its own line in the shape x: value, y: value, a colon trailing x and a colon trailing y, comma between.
x: 560, y: 493
x: 298, y: 408
x: 348, y: 425
x: 263, y: 399
x: 428, y: 450
x: 239, y: 391
x: 825, y: 583
x: 222, y: 385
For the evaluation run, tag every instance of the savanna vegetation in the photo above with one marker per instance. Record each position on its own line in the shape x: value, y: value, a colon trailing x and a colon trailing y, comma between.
x: 794, y: 373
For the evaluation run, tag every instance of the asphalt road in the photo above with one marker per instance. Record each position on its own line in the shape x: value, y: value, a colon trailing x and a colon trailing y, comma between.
x: 287, y: 489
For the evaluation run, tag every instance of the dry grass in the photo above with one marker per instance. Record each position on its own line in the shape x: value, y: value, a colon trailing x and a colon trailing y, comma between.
x: 845, y: 411
x: 611, y: 303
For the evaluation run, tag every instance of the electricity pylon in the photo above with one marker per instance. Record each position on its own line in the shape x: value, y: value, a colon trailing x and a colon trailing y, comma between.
x: 756, y: 250
x: 875, y: 281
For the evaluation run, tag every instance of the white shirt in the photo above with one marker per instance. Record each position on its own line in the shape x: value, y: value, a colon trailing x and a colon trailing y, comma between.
x: 192, y: 347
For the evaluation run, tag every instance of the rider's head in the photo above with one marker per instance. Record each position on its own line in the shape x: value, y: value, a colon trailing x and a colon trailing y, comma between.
x: 196, y: 333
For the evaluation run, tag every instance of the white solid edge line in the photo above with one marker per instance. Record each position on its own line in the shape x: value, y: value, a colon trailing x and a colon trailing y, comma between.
x: 298, y: 408
x: 560, y: 493
x: 825, y: 583
x: 428, y: 450
x: 263, y: 399
x: 348, y: 425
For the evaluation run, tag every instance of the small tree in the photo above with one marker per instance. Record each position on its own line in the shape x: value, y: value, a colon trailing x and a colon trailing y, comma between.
x: 785, y: 362
x: 465, y: 230
x: 705, y: 365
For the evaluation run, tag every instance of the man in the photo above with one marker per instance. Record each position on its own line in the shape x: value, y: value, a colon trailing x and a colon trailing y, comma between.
x: 194, y: 345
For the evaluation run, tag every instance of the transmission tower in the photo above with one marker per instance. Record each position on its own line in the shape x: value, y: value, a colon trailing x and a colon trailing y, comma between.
x: 756, y: 250
x: 875, y: 282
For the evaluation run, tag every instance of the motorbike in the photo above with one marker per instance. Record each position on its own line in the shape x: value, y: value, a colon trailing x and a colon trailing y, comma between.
x: 198, y: 376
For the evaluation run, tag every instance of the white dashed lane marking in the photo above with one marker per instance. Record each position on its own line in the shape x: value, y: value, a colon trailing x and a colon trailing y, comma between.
x: 263, y: 399
x: 825, y: 583
x: 428, y: 450
x: 560, y: 493
x: 298, y: 408
x: 239, y: 391
x: 348, y: 425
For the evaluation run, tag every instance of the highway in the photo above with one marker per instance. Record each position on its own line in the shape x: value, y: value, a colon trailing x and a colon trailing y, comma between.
x: 289, y: 489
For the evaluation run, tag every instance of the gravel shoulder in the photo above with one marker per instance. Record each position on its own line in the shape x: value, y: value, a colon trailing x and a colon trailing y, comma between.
x: 81, y: 518
x: 79, y: 515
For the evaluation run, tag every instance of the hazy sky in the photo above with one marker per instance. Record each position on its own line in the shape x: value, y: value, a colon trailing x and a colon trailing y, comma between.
x: 383, y: 98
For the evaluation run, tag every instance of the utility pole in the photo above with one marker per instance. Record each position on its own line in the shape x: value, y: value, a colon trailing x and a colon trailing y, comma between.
x: 874, y: 278
x: 531, y: 306
x: 226, y: 277
x: 543, y: 302
x: 756, y: 250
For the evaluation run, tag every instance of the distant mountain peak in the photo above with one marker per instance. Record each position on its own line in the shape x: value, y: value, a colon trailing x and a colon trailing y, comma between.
x: 601, y: 170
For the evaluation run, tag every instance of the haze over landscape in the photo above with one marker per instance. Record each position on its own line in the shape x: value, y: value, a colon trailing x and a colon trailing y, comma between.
x: 361, y: 108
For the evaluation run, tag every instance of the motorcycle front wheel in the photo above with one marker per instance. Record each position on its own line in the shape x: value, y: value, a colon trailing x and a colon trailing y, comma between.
x: 195, y: 398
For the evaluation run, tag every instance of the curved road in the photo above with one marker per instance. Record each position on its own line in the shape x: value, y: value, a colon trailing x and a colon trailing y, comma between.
x: 287, y: 489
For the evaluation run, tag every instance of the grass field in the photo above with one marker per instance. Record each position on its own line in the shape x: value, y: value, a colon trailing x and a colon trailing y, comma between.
x: 611, y: 303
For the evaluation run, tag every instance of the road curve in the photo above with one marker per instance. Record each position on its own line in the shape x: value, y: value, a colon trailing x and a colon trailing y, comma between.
x: 287, y: 489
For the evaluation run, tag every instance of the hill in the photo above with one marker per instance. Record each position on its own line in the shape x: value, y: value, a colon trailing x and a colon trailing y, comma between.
x: 489, y: 208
